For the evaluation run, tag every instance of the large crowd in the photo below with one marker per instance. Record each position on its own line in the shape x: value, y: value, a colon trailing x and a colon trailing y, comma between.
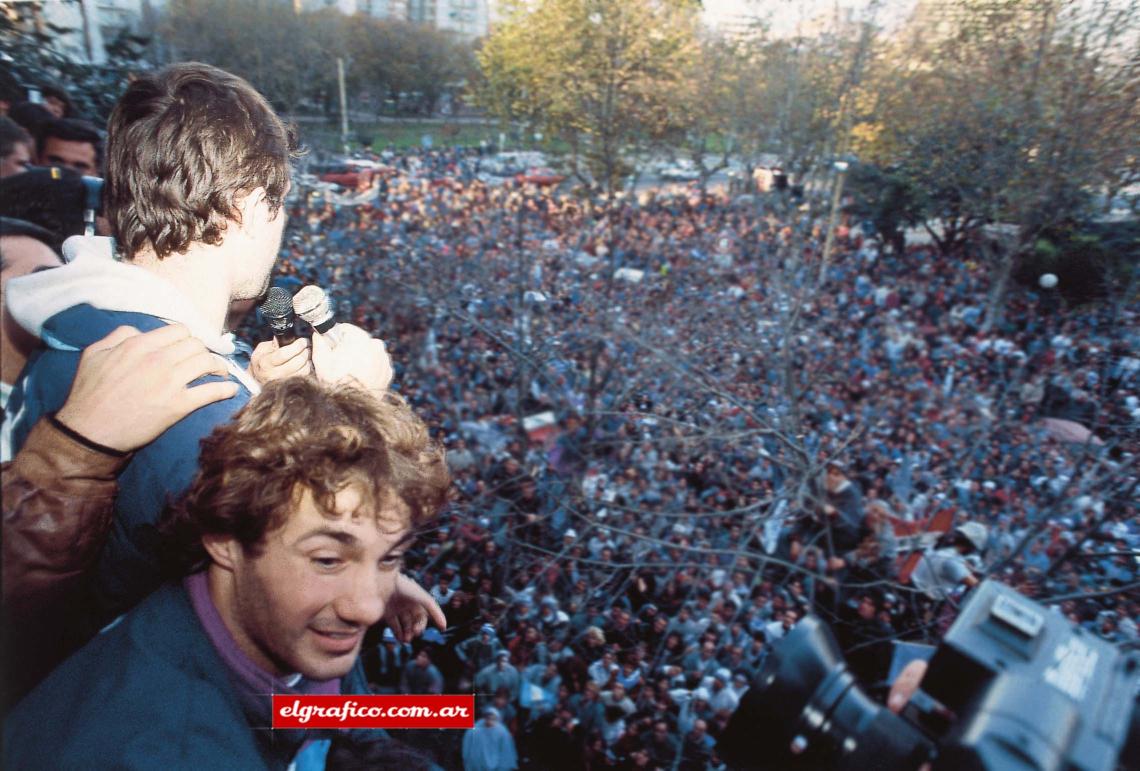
x: 676, y: 422
x: 613, y: 586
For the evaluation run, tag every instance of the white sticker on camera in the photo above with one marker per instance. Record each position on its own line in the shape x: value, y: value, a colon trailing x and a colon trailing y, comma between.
x: 1073, y: 665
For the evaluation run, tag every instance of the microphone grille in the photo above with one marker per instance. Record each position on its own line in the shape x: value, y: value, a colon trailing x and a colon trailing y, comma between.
x: 277, y: 304
x: 312, y: 304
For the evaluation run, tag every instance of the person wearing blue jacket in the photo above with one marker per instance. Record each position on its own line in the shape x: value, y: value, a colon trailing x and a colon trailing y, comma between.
x: 197, y: 170
x: 289, y: 545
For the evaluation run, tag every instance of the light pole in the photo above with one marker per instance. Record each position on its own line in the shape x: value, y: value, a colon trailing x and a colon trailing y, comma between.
x: 829, y: 242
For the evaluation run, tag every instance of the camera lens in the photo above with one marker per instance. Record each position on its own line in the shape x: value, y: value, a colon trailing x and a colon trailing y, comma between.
x: 805, y: 710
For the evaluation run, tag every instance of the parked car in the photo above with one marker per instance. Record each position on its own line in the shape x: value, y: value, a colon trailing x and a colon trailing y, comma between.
x: 541, y: 176
x: 351, y: 173
x: 679, y: 172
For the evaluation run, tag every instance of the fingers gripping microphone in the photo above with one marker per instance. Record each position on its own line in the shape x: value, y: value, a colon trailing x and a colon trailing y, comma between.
x: 312, y: 305
x: 277, y: 310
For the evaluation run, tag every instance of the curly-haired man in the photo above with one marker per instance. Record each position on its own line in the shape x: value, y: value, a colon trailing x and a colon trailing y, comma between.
x: 289, y: 544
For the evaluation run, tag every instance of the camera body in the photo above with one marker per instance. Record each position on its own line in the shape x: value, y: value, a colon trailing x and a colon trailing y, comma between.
x: 1012, y: 686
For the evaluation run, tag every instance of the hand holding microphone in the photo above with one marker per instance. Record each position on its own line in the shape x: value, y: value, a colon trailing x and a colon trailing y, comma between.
x: 355, y: 358
x: 342, y: 353
x: 285, y: 355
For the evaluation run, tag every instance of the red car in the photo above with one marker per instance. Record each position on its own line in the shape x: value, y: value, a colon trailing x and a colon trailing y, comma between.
x: 351, y: 177
x: 541, y: 176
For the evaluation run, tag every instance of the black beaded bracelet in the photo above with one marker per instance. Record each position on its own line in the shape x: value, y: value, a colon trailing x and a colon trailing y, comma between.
x: 81, y: 439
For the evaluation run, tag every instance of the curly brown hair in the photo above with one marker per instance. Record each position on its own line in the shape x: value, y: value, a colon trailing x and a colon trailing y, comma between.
x: 300, y: 434
x: 182, y: 145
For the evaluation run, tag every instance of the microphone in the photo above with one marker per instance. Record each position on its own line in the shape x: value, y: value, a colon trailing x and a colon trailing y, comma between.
x: 277, y: 310
x: 312, y: 305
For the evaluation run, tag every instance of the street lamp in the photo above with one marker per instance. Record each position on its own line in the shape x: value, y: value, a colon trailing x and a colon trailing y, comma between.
x: 1049, y: 304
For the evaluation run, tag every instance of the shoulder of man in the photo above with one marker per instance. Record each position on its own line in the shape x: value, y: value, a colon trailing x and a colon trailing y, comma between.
x: 149, y: 691
x: 156, y: 473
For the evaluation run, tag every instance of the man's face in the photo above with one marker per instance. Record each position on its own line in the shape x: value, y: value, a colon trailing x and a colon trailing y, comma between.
x: 21, y: 255
x: 56, y: 106
x: 264, y: 230
x: 17, y: 161
x: 78, y: 156
x: 304, y: 602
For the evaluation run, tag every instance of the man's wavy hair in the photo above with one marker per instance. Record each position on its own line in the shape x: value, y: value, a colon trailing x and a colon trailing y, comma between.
x: 182, y: 145
x: 299, y: 434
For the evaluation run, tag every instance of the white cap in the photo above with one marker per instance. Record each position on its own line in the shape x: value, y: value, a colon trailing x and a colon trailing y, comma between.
x: 975, y: 533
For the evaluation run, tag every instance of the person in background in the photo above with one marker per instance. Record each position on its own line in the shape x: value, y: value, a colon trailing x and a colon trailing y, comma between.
x: 23, y: 250
x: 943, y: 570
x: 53, y: 198
x: 30, y: 115
x: 16, y: 146
x: 72, y: 144
x: 489, y: 746
x: 421, y: 676
x: 56, y: 100
x: 11, y: 92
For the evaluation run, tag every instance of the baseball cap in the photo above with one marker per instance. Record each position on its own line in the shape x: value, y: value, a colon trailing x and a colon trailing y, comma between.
x: 975, y: 533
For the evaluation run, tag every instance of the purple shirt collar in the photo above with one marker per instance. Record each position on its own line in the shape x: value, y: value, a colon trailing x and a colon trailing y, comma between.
x: 250, y: 678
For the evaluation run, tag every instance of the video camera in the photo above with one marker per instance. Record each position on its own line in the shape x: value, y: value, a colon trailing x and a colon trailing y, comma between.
x: 1012, y: 686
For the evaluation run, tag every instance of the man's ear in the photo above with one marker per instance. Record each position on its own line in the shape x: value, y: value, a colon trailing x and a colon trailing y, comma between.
x: 224, y: 550
x: 246, y: 206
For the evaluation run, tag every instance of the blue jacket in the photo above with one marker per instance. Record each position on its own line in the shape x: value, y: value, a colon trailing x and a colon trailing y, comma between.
x: 127, y: 569
x: 149, y: 692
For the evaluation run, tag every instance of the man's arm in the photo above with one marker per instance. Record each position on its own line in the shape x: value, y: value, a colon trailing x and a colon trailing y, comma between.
x: 58, y: 495
x: 59, y: 490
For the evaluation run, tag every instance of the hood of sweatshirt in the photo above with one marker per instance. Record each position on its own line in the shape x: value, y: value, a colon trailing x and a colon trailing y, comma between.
x: 92, y: 278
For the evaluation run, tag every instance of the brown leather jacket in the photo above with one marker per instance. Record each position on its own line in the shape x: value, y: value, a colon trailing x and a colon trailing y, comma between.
x: 59, y: 497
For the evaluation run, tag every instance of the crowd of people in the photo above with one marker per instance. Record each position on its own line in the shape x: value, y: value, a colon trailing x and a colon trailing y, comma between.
x: 675, y: 424
x: 643, y: 556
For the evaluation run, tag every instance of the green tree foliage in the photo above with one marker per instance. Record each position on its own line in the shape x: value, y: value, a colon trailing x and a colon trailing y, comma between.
x: 1008, y: 112
x: 604, y: 76
x: 1004, y: 111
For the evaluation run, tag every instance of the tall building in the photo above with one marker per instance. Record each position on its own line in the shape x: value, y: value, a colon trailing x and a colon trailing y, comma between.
x: 380, y: 9
x: 468, y: 19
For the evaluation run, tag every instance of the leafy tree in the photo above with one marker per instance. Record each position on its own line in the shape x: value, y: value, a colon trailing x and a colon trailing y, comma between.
x: 886, y: 198
x: 1010, y: 112
x: 602, y: 76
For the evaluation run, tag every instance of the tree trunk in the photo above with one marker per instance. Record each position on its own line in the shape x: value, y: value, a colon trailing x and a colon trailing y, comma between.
x: 995, y: 303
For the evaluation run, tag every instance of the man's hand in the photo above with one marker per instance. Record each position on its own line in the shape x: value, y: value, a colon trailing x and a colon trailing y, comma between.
x: 905, y: 685
x: 347, y: 354
x: 272, y: 362
x: 410, y: 608
x: 903, y: 689
x: 130, y: 386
